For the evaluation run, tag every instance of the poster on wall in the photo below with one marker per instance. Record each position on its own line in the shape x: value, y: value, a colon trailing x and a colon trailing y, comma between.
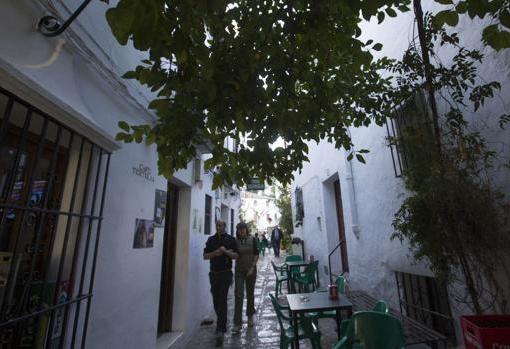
x: 160, y: 208
x: 144, y: 233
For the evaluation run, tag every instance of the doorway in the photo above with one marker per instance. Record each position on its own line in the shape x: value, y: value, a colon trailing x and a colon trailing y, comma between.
x: 166, y: 298
x: 341, y: 227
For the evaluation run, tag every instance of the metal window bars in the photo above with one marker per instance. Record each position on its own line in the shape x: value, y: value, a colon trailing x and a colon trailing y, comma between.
x: 52, y: 186
x: 411, y: 115
x: 425, y: 300
x: 394, y: 128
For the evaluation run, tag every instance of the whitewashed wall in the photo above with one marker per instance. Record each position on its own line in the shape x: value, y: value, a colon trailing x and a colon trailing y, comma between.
x: 75, y: 78
x: 258, y: 207
x: 373, y: 194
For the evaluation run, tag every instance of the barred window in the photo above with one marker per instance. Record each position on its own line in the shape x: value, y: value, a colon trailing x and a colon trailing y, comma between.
x: 408, y: 117
x: 208, y: 214
x: 52, y: 190
x: 425, y: 300
x: 300, y: 212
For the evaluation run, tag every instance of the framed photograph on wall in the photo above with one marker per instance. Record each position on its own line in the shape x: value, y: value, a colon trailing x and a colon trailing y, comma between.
x: 144, y: 233
x: 160, y: 208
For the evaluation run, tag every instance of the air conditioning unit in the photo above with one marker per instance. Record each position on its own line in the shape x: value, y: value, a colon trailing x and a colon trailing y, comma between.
x: 197, y: 170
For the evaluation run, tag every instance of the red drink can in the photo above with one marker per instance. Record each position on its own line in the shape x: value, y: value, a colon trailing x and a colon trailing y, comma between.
x: 333, y: 292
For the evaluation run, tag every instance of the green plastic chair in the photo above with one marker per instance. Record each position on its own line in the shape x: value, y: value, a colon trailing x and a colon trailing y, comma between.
x: 381, y: 307
x: 293, y: 258
x: 281, y: 276
x: 306, y: 279
x: 372, y: 329
x: 307, y: 329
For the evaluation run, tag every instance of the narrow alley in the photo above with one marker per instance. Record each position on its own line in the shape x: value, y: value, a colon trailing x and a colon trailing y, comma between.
x: 266, y: 332
x: 149, y: 147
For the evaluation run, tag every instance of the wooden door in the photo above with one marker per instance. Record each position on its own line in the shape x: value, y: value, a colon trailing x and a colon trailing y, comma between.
x: 341, y: 227
x: 166, y: 298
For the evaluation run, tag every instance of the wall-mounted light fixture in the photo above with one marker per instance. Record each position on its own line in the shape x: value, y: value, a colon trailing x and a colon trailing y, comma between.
x: 50, y: 25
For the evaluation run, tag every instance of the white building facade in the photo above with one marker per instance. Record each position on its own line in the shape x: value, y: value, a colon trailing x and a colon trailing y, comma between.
x: 95, y: 244
x: 350, y: 206
x: 260, y: 207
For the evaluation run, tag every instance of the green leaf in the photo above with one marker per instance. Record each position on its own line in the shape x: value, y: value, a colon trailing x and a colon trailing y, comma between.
x: 444, y: 2
x: 130, y: 75
x: 504, y: 18
x: 124, y: 125
x: 446, y: 17
x: 138, y: 135
x: 377, y: 47
x: 121, y: 19
x: 380, y: 17
x: 461, y: 7
x: 121, y: 136
x: 150, y: 139
x: 391, y: 12
x: 477, y: 8
x: 360, y: 158
x: 182, y: 57
x: 496, y: 38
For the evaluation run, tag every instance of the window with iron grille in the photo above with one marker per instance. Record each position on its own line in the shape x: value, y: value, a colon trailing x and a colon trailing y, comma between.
x: 52, y: 191
x: 300, y: 212
x: 425, y: 299
x: 208, y: 214
x: 409, y: 118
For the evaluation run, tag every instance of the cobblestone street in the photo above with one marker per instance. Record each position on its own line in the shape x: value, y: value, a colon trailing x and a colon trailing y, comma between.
x: 266, y: 332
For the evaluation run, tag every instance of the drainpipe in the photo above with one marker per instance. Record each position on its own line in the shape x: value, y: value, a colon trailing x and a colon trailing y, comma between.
x: 352, y: 196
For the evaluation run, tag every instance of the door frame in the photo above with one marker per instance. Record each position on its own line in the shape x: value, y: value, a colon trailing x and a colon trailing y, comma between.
x: 341, y: 227
x: 166, y: 298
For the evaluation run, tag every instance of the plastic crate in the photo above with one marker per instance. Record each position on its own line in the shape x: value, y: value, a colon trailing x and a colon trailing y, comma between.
x: 486, y: 331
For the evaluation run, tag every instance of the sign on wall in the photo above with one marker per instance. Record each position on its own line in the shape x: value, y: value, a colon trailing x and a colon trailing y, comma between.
x: 160, y: 208
x: 144, y: 172
x: 144, y: 233
x: 255, y: 184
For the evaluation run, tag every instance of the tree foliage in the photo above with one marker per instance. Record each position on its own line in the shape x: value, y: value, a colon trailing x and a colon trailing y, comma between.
x: 454, y: 217
x: 284, y: 206
x: 257, y: 71
x: 254, y: 71
x: 497, y: 12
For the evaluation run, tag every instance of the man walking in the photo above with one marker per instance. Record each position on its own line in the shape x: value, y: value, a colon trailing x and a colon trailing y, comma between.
x: 276, y: 237
x: 220, y: 249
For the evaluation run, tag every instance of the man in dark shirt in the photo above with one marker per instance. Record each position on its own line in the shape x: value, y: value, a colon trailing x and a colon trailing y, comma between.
x: 220, y: 249
x: 276, y: 238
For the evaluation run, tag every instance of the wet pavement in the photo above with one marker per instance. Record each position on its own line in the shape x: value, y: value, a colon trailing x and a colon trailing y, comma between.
x: 266, y: 332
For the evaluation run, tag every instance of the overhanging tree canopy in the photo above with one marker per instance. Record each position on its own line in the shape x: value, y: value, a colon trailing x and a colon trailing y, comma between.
x: 258, y: 70
x: 255, y: 70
